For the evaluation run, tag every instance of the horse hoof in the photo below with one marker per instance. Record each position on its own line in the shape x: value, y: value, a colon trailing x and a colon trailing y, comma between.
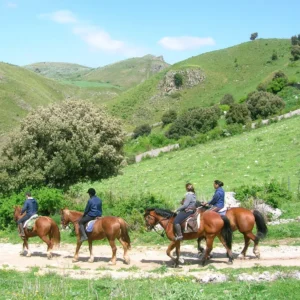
x: 28, y: 254
x: 21, y: 253
x: 127, y: 261
x: 111, y: 263
x: 49, y: 256
x: 181, y: 260
x: 75, y: 260
x: 241, y: 256
x: 91, y: 260
x: 230, y: 262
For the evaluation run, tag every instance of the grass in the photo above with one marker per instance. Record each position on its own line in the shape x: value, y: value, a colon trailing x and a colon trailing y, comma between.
x: 253, y: 157
x: 237, y: 70
x: 50, y: 286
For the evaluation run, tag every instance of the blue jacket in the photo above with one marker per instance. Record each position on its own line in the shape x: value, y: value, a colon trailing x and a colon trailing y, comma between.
x: 218, y: 198
x: 93, y: 207
x: 30, y: 206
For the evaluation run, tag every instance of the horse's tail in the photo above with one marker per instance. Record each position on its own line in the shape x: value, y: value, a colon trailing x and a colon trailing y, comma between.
x: 261, y: 225
x: 124, y: 232
x: 55, y: 234
x: 227, y: 232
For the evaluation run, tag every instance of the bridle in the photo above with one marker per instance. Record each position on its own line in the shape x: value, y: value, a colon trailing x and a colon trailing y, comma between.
x: 150, y: 227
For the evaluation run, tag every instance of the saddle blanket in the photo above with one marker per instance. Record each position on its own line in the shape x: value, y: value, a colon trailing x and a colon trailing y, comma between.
x: 192, y: 223
x: 90, y: 225
x: 30, y: 222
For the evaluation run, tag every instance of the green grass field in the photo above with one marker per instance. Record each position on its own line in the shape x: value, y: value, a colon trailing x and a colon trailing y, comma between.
x: 254, y: 157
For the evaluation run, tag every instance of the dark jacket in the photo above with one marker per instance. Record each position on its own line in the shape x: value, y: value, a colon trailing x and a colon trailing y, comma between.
x: 30, y: 206
x: 93, y: 207
x: 218, y: 198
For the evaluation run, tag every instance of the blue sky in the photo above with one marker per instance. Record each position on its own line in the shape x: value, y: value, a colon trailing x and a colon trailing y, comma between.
x: 96, y: 33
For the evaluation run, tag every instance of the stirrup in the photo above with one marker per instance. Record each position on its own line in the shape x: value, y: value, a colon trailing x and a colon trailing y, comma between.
x: 178, y: 238
x: 83, y: 238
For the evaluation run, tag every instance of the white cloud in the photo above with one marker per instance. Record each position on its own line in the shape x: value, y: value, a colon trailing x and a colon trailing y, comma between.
x: 60, y: 16
x: 11, y: 5
x: 182, y: 43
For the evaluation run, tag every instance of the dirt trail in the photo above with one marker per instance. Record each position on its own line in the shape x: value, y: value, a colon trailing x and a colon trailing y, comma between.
x: 143, y: 260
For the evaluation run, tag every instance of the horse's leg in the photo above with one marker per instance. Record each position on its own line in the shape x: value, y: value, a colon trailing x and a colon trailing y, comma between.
x: 255, y: 239
x: 229, y: 252
x: 49, y: 245
x: 78, y: 245
x: 91, y: 251
x: 114, y: 252
x: 209, y: 245
x: 125, y: 247
x: 170, y: 248
x: 200, y: 248
x: 242, y: 255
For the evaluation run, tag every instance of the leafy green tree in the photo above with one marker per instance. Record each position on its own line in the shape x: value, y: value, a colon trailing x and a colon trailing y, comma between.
x: 253, y: 36
x: 279, y: 81
x: 178, y: 80
x: 62, y: 144
x: 294, y: 40
x: 227, y: 99
x: 238, y: 113
x: 295, y: 51
x: 264, y: 104
x: 196, y: 120
x: 169, y: 117
x: 141, y: 130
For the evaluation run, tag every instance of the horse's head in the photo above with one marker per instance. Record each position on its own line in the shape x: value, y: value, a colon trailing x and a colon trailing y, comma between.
x: 17, y: 212
x: 64, y: 217
x: 153, y: 215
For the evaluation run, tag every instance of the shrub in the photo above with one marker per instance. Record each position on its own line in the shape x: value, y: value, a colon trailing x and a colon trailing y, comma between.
x: 274, y: 55
x: 295, y: 51
x: 178, y: 80
x: 169, y: 117
x: 264, y: 104
x: 227, y: 99
x: 278, y: 82
x: 232, y: 129
x: 142, y: 130
x: 238, y: 113
x: 61, y: 144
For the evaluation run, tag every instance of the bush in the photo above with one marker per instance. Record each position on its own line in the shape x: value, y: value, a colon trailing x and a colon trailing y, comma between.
x: 264, y: 104
x: 227, y: 99
x: 278, y: 82
x: 61, y: 144
x: 196, y: 120
x: 142, y: 130
x: 178, y: 80
x: 169, y: 117
x: 295, y: 51
x: 232, y: 129
x: 238, y: 113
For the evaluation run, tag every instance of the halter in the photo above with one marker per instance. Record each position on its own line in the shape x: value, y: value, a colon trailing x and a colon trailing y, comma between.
x: 153, y: 227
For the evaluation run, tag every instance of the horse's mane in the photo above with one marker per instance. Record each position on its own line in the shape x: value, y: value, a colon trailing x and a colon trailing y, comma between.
x: 166, y: 213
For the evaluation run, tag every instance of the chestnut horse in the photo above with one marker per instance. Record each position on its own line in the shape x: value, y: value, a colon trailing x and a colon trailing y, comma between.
x: 243, y: 220
x: 211, y: 225
x: 110, y: 227
x: 44, y: 227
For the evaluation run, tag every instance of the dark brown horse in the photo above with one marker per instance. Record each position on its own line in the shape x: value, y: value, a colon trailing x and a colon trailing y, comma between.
x: 44, y: 227
x: 243, y: 220
x: 211, y: 225
x: 110, y: 227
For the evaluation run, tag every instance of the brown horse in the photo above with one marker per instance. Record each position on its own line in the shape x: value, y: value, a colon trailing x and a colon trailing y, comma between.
x: 110, y: 227
x: 243, y: 220
x: 45, y: 228
x: 211, y: 225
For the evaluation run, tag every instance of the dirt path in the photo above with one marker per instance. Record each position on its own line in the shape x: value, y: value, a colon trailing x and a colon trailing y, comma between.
x: 144, y: 260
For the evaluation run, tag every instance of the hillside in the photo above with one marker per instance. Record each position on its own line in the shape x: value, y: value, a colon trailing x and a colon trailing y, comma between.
x: 129, y: 72
x: 254, y: 157
x: 206, y: 78
x: 59, y: 71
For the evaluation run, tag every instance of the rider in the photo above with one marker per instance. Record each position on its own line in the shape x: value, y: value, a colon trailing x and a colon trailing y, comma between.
x: 219, y: 197
x: 92, y: 210
x: 31, y: 208
x: 187, y: 208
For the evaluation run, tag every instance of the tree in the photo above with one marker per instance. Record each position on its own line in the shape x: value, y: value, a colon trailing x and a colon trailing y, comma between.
x: 178, y: 80
x: 238, y: 113
x: 141, y: 130
x: 253, y: 36
x: 295, y: 51
x: 196, y: 120
x: 294, y: 40
x: 264, y: 104
x: 169, y: 117
x: 62, y: 144
x: 227, y: 100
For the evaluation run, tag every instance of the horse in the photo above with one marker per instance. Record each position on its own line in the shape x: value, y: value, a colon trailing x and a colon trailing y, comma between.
x: 110, y: 227
x: 243, y: 220
x: 211, y: 225
x: 45, y: 228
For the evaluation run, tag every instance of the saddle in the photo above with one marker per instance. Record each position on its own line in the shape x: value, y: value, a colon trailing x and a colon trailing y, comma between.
x: 90, y: 225
x: 29, y: 224
x: 191, y: 223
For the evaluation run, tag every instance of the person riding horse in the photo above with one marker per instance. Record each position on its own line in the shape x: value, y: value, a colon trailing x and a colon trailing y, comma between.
x: 92, y: 210
x: 31, y: 208
x: 187, y: 208
x: 217, y: 202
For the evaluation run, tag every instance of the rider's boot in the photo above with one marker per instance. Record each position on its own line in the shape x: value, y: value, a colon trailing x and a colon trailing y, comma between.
x: 21, y: 230
x: 82, y: 233
x: 178, y: 232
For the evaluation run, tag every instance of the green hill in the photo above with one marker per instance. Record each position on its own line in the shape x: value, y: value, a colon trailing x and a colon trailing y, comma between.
x: 254, y: 157
x: 59, y: 71
x: 129, y: 72
x: 206, y: 79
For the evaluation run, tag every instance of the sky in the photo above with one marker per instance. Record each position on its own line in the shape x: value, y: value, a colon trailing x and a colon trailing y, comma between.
x: 96, y: 33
